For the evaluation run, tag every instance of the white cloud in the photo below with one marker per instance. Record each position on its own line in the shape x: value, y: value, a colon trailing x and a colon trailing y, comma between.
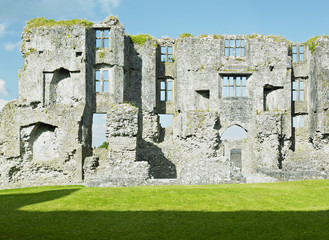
x: 108, y: 4
x: 3, y: 90
x: 2, y: 29
x: 12, y: 46
x: 2, y: 103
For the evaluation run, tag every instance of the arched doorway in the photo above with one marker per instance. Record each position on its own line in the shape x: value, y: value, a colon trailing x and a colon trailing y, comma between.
x: 233, y: 140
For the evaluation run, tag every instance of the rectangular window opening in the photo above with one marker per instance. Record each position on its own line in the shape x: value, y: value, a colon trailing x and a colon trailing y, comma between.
x: 234, y: 48
x: 98, y: 86
x: 101, y: 81
x: 298, y: 53
x: 166, y: 54
x: 298, y: 121
x: 294, y: 57
x: 102, y: 39
x: 301, y: 57
x: 294, y: 49
x: 169, y: 95
x: 105, y: 75
x: 106, y: 86
x: 162, y: 96
x: 166, y: 90
x: 98, y: 43
x: 301, y: 95
x: 298, y: 90
x: 231, y: 51
x: 294, y: 122
x: 234, y: 86
x: 226, y: 52
x: 106, y: 43
x: 165, y: 120
x: 294, y: 95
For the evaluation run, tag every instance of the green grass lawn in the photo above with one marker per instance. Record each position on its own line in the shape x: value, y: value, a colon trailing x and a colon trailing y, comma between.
x: 290, y: 210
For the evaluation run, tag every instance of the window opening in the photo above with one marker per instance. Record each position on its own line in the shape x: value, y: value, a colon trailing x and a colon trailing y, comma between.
x: 298, y: 53
x: 101, y: 81
x: 165, y: 120
x: 166, y: 90
x: 234, y: 86
x: 204, y: 93
x: 298, y: 121
x: 234, y: 132
x: 234, y: 48
x: 166, y: 54
x: 102, y: 39
x: 298, y: 90
x: 98, y: 129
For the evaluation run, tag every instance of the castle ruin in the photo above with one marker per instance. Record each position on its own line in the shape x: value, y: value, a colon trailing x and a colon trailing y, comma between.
x: 274, y: 90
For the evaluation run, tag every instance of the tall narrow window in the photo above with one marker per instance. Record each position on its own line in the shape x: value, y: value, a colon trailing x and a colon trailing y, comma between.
x: 234, y: 86
x: 101, y: 81
x: 166, y: 90
x: 234, y: 48
x: 102, y: 39
x: 166, y: 54
x: 298, y: 90
x: 298, y: 53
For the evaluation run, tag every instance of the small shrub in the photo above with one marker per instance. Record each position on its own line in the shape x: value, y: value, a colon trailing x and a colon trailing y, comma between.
x: 141, y: 39
x: 104, y: 145
x: 186, y: 35
x: 312, y: 43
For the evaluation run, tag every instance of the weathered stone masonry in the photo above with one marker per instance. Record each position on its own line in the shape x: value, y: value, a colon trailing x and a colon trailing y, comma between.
x: 277, y: 91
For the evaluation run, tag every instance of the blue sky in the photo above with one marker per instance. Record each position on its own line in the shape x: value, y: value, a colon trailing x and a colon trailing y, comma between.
x: 295, y: 20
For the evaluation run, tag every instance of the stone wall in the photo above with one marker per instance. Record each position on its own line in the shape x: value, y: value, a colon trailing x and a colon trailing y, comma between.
x: 205, y: 85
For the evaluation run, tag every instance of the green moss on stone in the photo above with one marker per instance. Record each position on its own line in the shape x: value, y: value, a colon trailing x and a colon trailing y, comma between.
x: 101, y: 54
x: 203, y: 36
x: 254, y: 35
x: 141, y: 39
x: 277, y: 38
x: 186, y: 35
x: 312, y: 43
x: 42, y: 22
x: 31, y: 50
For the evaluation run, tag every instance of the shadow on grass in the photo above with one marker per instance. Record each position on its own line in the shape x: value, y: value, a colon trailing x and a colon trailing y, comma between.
x: 18, y: 224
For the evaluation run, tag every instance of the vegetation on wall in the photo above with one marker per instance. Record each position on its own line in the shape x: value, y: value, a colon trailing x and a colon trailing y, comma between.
x: 186, y: 35
x: 141, y: 39
x: 42, y: 22
x: 312, y: 43
x: 104, y: 145
x: 215, y: 36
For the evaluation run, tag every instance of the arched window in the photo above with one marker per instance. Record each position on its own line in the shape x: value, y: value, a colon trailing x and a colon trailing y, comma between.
x: 234, y: 132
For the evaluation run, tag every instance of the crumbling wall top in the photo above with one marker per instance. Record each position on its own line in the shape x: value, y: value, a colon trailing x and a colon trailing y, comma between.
x: 109, y: 22
x: 42, y: 22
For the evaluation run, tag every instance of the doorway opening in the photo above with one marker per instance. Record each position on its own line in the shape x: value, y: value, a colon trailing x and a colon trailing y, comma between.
x: 235, y: 157
x: 99, y: 130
